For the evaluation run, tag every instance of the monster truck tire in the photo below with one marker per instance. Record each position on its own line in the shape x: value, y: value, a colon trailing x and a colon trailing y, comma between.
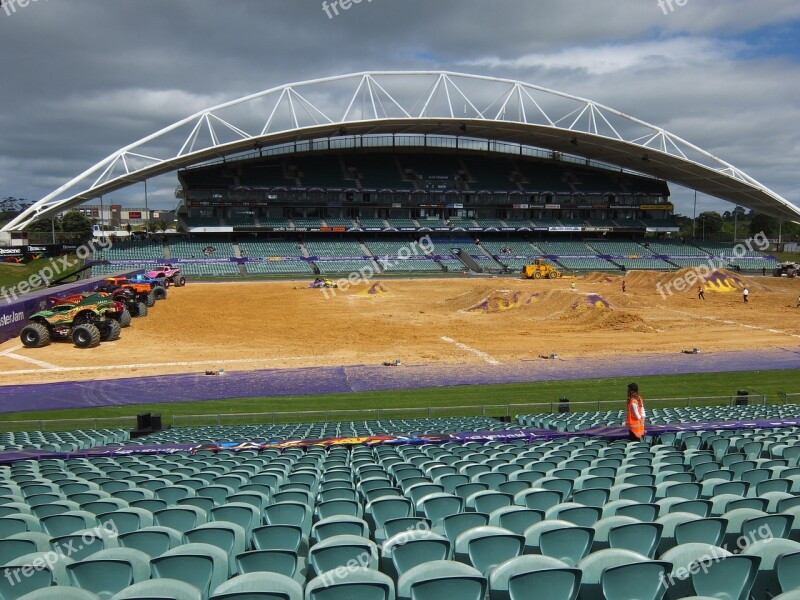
x: 111, y: 331
x: 86, y: 336
x: 35, y: 335
x: 160, y: 292
x: 125, y: 318
x: 151, y: 300
x: 141, y: 309
x: 180, y: 282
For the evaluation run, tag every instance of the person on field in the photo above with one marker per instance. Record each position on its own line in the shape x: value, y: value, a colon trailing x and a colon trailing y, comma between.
x: 623, y: 286
x: 701, y: 294
x: 635, y: 414
x: 746, y: 295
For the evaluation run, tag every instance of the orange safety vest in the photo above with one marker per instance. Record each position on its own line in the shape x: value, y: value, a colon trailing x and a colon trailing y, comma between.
x: 636, y: 426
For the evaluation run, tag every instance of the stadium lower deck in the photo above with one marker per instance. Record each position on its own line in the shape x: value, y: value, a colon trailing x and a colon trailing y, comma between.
x: 424, y: 252
x: 405, y: 508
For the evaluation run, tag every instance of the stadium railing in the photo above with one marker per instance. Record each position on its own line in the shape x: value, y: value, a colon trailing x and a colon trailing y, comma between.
x: 488, y: 410
x: 71, y: 424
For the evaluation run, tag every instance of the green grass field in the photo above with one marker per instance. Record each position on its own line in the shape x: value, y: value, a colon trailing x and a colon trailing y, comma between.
x: 12, y: 274
x: 544, y: 393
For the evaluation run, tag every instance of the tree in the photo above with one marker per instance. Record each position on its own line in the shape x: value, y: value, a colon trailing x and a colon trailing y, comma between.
x: 77, y: 225
x: 709, y: 223
x: 764, y: 224
x: 44, y: 226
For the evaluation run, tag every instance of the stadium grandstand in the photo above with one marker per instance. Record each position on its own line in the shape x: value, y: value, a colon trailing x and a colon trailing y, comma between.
x: 443, y: 499
x: 399, y: 172
x: 298, y: 211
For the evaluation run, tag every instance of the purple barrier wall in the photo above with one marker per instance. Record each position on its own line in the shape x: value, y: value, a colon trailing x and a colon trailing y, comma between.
x: 14, y: 312
x: 530, y: 435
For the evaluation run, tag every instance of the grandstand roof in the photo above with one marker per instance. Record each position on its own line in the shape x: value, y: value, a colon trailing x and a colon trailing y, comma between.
x: 430, y: 102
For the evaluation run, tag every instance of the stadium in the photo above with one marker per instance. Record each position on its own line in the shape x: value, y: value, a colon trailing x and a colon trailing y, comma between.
x: 379, y: 355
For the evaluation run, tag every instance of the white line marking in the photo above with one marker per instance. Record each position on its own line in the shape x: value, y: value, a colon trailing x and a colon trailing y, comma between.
x: 207, y: 363
x: 33, y: 361
x: 777, y: 331
x: 10, y: 350
x: 474, y: 351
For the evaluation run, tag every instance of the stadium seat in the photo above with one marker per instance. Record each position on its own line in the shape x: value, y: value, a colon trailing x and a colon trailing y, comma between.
x: 515, y: 518
x: 109, y: 571
x: 442, y: 579
x: 770, y: 551
x: 14, y: 583
x: 336, y: 551
x: 684, y: 557
x: 229, y: 537
x: 551, y: 578
x: 598, y: 565
x: 153, y: 541
x: 201, y: 565
x: 168, y: 589
x: 285, y: 562
x: 356, y: 584
x: 406, y: 550
x: 59, y: 593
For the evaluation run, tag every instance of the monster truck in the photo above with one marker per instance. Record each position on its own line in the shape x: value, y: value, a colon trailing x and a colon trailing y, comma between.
x: 155, y: 283
x: 144, y: 292
x: 86, y: 323
x: 126, y: 297
x: 322, y: 283
x: 169, y: 274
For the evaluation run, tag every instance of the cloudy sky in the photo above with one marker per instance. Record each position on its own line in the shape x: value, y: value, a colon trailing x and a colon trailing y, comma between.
x: 81, y: 78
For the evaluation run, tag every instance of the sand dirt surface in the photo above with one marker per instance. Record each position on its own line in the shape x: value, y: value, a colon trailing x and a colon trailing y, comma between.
x: 242, y: 326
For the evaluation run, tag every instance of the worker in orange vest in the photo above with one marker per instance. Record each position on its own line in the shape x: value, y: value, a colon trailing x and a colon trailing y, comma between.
x: 636, y: 413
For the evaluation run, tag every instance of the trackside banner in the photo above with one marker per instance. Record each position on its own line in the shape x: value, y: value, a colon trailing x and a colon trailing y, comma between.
x: 608, y: 432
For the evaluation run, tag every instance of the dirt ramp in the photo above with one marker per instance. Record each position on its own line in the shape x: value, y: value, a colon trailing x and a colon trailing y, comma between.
x: 722, y: 280
x: 597, y: 277
x: 375, y: 290
x: 503, y: 300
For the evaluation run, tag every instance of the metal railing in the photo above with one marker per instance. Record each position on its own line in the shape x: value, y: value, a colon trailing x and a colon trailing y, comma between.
x: 70, y: 424
x: 490, y: 410
x: 503, y: 411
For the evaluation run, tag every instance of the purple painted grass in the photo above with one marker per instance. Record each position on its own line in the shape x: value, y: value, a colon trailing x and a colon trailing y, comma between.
x: 367, y: 378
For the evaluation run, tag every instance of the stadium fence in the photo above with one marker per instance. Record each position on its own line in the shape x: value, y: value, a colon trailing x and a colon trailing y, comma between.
x: 504, y: 411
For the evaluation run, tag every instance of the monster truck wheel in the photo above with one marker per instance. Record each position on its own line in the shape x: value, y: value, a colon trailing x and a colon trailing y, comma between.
x: 125, y: 318
x: 160, y: 292
x: 35, y: 335
x: 111, y: 331
x: 151, y: 300
x: 86, y: 336
x: 141, y: 309
x: 180, y: 282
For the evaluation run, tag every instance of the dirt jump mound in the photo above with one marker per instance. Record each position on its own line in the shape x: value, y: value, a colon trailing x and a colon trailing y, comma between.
x: 376, y: 289
x: 502, y: 300
x: 721, y: 280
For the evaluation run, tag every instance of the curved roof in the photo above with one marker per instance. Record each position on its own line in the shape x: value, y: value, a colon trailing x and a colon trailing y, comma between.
x: 429, y: 102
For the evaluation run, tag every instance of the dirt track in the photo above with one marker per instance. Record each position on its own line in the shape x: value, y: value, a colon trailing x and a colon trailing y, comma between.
x: 505, y: 320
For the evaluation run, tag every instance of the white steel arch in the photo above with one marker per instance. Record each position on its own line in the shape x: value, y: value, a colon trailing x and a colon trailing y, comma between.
x: 415, y: 102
